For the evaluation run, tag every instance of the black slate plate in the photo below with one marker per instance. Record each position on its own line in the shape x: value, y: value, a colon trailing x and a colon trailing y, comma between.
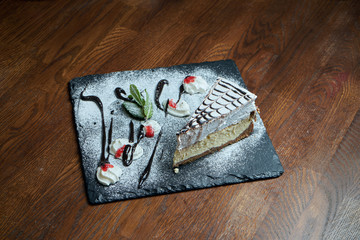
x: 250, y: 159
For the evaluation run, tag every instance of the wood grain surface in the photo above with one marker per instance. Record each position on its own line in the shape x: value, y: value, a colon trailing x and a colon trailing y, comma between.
x: 301, y: 58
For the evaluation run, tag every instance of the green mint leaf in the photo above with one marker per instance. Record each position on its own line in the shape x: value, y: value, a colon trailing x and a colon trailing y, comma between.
x: 135, y: 110
x: 151, y: 111
x: 148, y: 108
x: 137, y: 95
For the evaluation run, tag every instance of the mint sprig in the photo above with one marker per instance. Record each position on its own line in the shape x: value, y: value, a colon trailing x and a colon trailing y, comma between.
x: 148, y: 107
x: 141, y: 108
x: 135, y: 110
x: 135, y: 93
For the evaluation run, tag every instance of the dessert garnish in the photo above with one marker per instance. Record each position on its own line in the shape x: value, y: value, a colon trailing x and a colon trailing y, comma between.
x: 166, y: 107
x: 159, y: 88
x: 180, y: 109
x: 194, y: 85
x: 106, y: 173
x: 134, y: 147
x: 149, y: 131
x: 119, y: 93
x: 138, y: 106
x: 151, y: 127
x: 119, y: 152
x: 145, y: 174
x: 118, y: 148
x: 125, y: 156
x: 132, y: 132
x: 172, y: 104
x: 109, y: 140
x: 106, y: 166
x: 98, y: 102
x: 189, y: 79
x: 127, y: 150
x: 181, y: 91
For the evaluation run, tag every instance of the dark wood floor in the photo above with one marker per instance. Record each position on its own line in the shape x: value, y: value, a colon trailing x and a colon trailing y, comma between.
x: 301, y: 58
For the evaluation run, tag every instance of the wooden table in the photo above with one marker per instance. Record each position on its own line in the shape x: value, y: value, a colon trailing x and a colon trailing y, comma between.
x: 301, y: 58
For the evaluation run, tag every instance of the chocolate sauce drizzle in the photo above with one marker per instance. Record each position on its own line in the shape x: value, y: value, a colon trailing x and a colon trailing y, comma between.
x: 98, y: 102
x: 121, y: 94
x: 166, y: 107
x: 132, y: 134
x: 145, y: 174
x: 125, y: 155
x: 109, y: 141
x: 129, y: 150
x: 181, y: 91
x: 159, y: 88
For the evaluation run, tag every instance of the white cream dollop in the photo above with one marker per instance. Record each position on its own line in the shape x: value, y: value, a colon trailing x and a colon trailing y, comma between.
x: 154, y: 124
x: 108, y: 175
x: 182, y: 109
x: 194, y: 85
x: 120, y: 142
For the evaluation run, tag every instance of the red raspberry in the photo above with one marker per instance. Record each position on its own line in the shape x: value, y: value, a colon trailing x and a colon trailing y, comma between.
x: 189, y: 79
x: 119, y: 152
x: 149, y: 131
x: 172, y: 103
x: 106, y: 166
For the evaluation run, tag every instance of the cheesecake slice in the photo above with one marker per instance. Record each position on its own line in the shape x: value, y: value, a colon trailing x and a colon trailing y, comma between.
x: 225, y: 116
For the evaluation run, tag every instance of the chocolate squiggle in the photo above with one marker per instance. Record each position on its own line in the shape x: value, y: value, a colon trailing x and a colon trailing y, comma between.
x: 145, y: 174
x: 109, y: 140
x: 181, y: 91
x: 159, y: 88
x: 98, y: 102
x: 132, y: 132
x: 121, y: 94
x: 129, y: 150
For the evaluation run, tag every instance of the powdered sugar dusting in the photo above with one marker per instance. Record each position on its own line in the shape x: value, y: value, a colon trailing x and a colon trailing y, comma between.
x: 223, y: 167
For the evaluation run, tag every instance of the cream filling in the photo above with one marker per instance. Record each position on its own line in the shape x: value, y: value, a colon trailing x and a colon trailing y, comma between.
x: 213, y: 140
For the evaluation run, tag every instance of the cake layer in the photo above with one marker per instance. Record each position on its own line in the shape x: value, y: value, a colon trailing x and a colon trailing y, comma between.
x: 215, y: 141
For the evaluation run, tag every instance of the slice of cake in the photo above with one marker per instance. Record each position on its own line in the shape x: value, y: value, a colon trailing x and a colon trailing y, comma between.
x: 225, y: 116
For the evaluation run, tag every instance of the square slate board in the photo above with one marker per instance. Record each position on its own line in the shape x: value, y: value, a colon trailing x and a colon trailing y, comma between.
x: 250, y: 159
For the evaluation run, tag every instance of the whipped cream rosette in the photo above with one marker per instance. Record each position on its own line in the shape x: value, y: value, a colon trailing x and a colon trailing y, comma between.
x: 151, y: 127
x: 194, y: 85
x: 108, y: 174
x: 180, y: 109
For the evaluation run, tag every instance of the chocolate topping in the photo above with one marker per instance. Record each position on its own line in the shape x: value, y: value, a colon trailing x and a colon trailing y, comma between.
x: 223, y: 98
x: 159, y: 88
